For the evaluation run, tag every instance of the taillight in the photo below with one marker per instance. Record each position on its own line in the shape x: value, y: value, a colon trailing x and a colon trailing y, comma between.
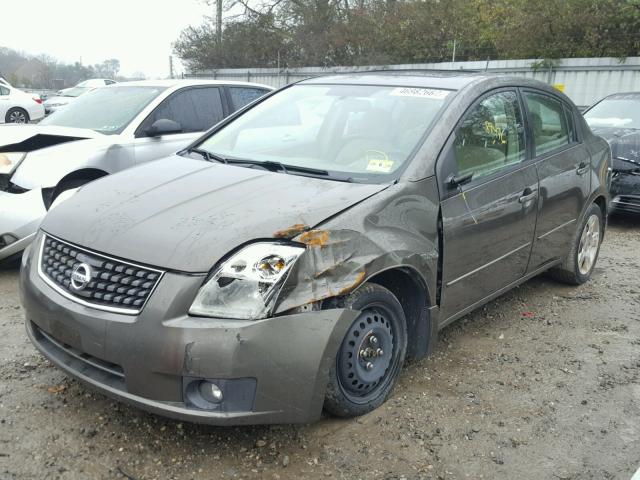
x: 37, y: 100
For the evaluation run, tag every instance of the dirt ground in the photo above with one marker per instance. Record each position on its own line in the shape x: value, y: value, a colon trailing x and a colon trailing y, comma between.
x: 543, y: 383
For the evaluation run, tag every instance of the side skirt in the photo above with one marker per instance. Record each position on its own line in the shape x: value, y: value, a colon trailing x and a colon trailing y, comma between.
x: 496, y: 294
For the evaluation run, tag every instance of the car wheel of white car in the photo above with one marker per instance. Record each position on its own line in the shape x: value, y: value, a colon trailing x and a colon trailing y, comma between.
x: 17, y: 115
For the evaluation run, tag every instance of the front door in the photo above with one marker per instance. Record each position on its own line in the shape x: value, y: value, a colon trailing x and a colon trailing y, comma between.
x: 490, y: 192
x: 196, y: 109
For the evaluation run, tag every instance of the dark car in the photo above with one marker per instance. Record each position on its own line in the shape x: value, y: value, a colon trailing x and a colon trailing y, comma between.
x: 616, y: 118
x: 300, y: 251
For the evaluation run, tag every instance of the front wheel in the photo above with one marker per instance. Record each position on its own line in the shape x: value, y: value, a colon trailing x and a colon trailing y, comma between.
x: 578, y: 265
x: 371, y: 355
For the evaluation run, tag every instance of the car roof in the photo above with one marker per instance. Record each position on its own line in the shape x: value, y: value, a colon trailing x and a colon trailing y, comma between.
x: 623, y: 96
x: 185, y: 83
x: 451, y: 80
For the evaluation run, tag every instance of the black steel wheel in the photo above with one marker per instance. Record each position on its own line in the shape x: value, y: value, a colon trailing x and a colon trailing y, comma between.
x: 371, y: 354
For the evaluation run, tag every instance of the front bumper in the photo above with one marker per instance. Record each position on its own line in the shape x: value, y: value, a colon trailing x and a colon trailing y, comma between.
x: 145, y: 360
x: 625, y: 192
x: 20, y: 217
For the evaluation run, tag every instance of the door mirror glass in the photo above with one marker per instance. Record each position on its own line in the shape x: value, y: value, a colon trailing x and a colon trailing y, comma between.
x: 163, y: 126
x: 490, y: 137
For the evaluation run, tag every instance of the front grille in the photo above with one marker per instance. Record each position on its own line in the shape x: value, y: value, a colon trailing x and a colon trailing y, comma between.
x: 105, y: 283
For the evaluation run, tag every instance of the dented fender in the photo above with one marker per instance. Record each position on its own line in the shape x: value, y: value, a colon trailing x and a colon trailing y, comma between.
x: 396, y: 228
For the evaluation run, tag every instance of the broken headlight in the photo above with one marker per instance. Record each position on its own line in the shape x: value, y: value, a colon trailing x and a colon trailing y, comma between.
x: 9, y: 161
x: 246, y: 285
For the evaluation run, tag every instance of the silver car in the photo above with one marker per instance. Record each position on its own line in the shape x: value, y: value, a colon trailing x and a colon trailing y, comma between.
x: 104, y: 131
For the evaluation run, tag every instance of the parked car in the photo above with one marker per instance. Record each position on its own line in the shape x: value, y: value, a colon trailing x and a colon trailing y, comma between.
x: 105, y: 131
x: 296, y: 254
x: 616, y: 118
x: 17, y: 106
x: 66, y: 96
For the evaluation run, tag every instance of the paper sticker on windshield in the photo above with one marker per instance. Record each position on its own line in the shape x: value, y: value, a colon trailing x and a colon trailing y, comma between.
x: 378, y: 162
x: 420, y: 92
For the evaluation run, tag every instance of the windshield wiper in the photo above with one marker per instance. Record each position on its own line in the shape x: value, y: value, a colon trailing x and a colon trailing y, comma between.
x: 275, y: 166
x: 635, y: 162
x: 208, y: 156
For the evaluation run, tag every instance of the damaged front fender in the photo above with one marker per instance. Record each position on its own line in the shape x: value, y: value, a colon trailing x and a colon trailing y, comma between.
x: 339, y: 259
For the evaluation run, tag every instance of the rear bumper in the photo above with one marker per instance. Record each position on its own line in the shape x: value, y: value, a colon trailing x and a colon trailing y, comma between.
x: 21, y: 216
x: 148, y: 360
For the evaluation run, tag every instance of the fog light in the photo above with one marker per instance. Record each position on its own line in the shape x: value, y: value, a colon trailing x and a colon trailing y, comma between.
x: 211, y: 392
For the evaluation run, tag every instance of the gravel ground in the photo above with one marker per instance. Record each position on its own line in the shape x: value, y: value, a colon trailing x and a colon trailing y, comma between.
x: 542, y: 383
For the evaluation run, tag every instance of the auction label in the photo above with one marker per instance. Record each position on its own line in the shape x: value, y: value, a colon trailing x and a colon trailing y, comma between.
x: 420, y: 92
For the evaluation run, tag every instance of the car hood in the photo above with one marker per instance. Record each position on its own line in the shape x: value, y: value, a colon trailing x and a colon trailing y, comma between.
x: 58, y: 100
x: 184, y: 214
x: 625, y: 146
x: 27, y: 138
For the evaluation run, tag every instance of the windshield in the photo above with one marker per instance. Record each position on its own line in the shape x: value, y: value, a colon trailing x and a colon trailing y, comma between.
x: 106, y: 110
x: 74, y: 92
x: 358, y: 132
x: 615, y: 112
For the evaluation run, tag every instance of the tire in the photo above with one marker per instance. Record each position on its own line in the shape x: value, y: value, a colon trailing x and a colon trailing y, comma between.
x: 578, y: 265
x: 16, y: 115
x: 380, y: 333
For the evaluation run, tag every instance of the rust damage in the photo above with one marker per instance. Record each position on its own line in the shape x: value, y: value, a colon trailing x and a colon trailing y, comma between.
x: 336, y: 262
x: 291, y: 231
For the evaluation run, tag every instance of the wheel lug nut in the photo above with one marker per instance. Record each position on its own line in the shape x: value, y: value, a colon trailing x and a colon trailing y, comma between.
x: 369, y: 366
x: 373, y: 340
x: 364, y: 353
x: 379, y: 352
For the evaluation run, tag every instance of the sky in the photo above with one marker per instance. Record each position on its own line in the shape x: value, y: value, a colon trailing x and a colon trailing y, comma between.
x: 139, y: 33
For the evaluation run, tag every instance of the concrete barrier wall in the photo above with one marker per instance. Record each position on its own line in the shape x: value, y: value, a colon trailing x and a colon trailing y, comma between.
x: 584, y: 80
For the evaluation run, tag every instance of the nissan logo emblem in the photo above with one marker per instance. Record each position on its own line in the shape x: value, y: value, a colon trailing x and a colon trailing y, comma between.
x: 80, y: 276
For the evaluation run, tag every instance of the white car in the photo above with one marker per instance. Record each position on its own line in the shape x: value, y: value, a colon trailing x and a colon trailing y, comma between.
x: 67, y: 95
x: 104, y: 131
x: 17, y: 106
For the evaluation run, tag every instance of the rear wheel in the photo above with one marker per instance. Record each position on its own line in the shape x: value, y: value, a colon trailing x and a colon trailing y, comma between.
x: 371, y: 355
x: 578, y: 265
x: 16, y: 115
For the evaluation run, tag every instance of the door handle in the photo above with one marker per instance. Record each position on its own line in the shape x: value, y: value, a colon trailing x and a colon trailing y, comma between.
x: 582, y: 168
x: 527, y: 195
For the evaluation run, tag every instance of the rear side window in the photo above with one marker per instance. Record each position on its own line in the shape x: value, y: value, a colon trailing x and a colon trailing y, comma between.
x: 195, y: 109
x: 241, y: 96
x: 548, y: 123
x: 4, y: 91
x: 491, y: 136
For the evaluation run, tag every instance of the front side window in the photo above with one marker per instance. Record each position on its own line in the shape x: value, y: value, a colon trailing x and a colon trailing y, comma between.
x: 4, y: 91
x: 106, y: 110
x: 359, y: 132
x: 195, y: 109
x: 548, y: 122
x: 491, y: 136
x: 241, y: 96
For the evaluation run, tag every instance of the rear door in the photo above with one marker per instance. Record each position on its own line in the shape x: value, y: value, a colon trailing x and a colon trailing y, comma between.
x: 196, y: 109
x: 489, y: 194
x: 563, y: 165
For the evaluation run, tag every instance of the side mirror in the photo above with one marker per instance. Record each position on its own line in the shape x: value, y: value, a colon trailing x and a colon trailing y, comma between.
x: 163, y: 126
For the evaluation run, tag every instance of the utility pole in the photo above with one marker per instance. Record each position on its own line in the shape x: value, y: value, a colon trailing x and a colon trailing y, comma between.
x: 219, y: 22
x: 171, y: 66
x: 453, y: 57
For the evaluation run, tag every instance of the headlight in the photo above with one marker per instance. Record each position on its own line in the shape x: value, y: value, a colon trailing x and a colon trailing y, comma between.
x: 246, y: 285
x: 9, y: 161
